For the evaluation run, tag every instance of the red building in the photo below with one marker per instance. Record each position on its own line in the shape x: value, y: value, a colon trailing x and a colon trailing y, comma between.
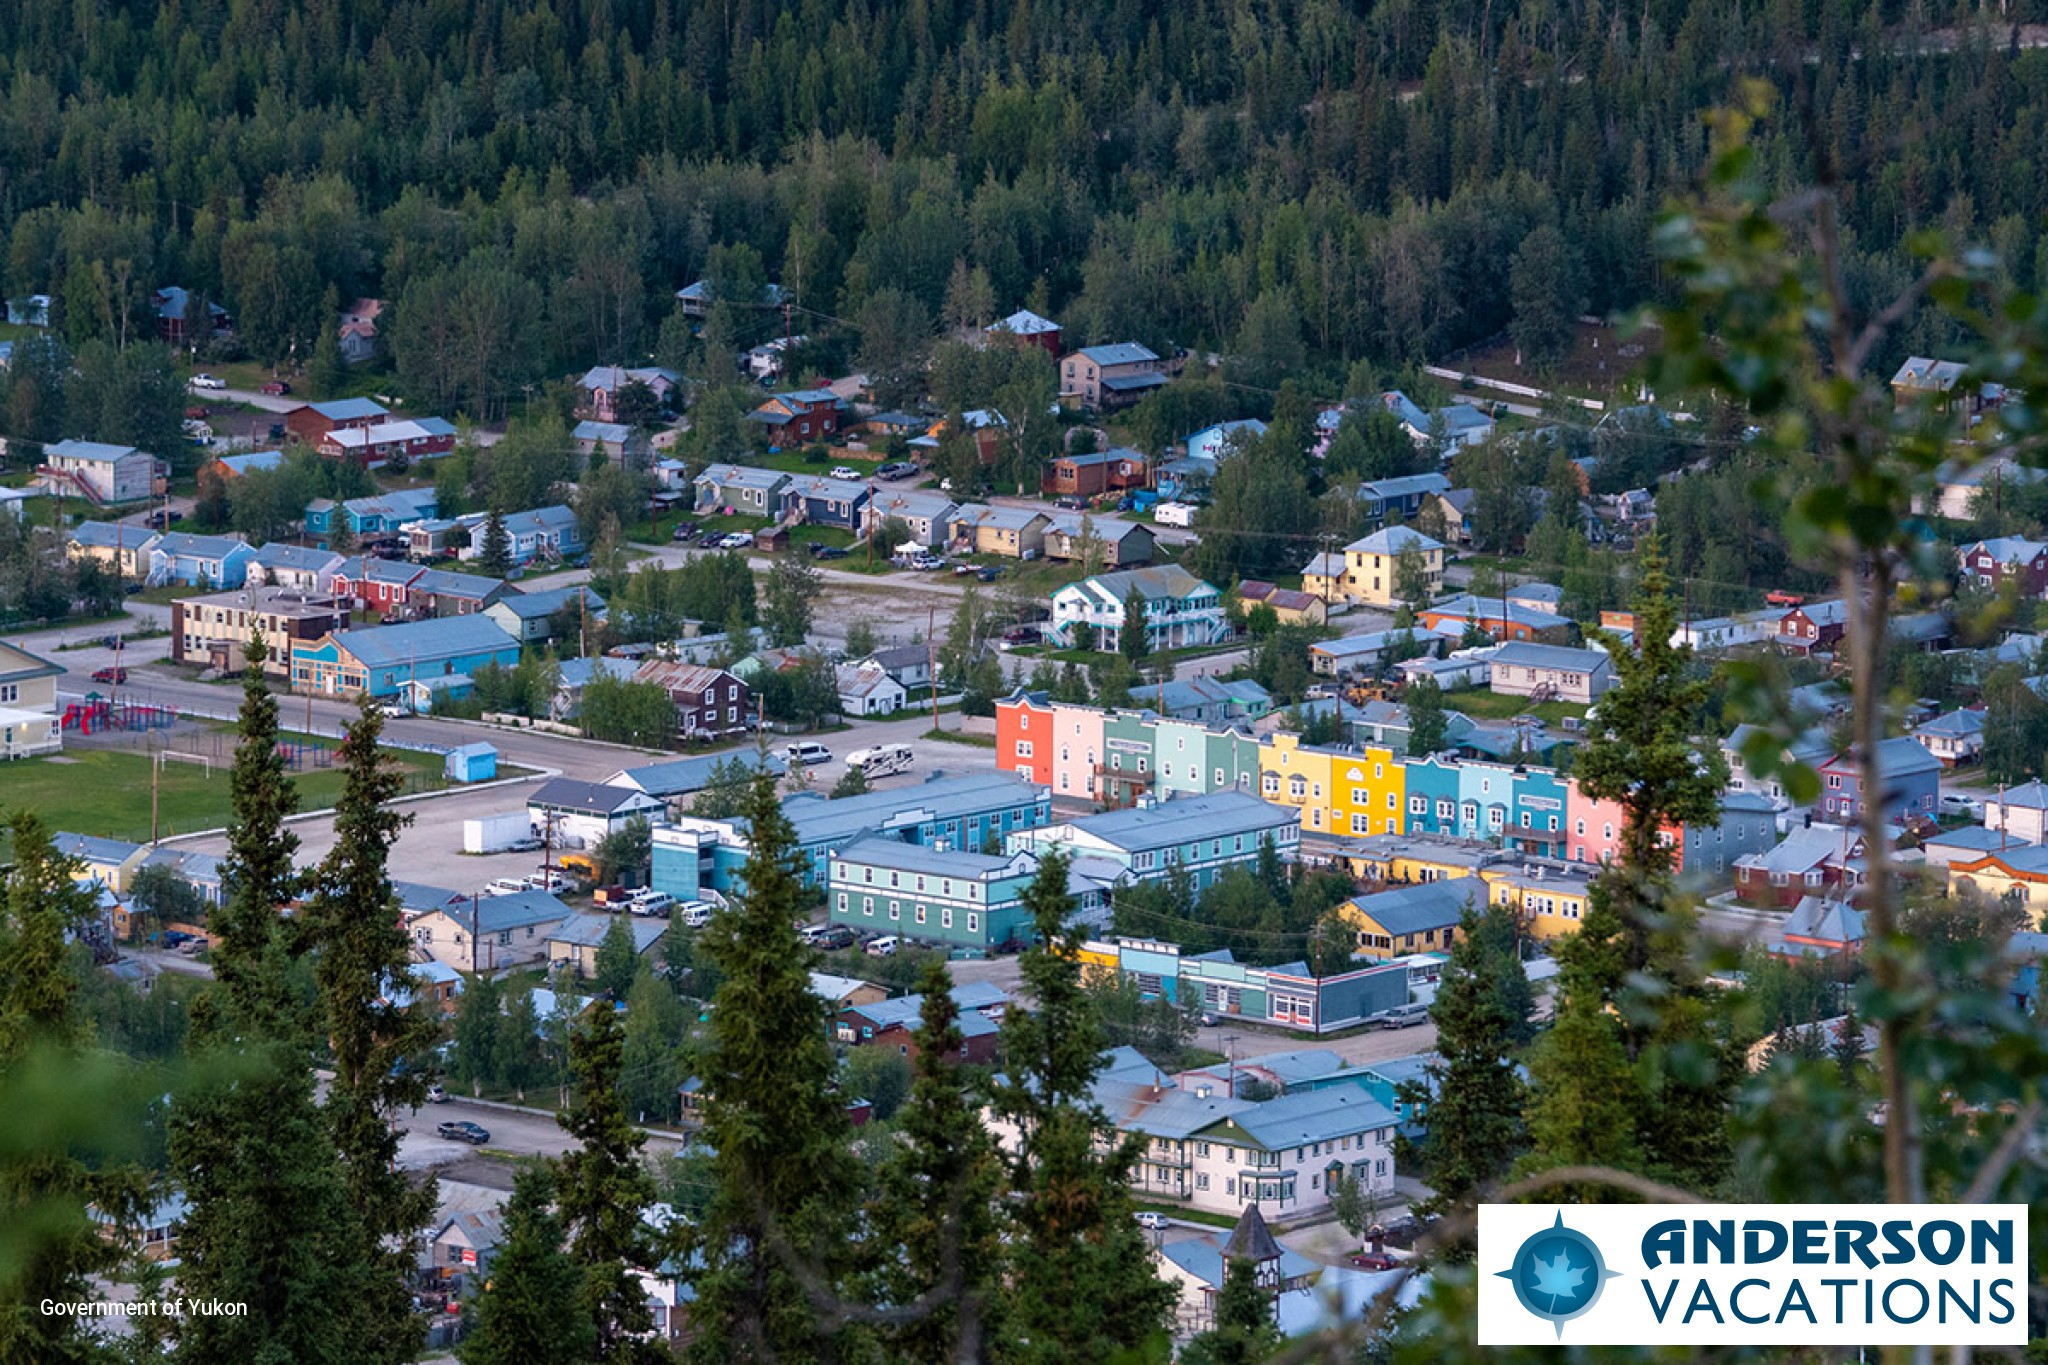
x: 892, y: 1024
x: 1102, y: 471
x: 709, y: 701
x: 1024, y: 738
x: 380, y: 585
x: 1810, y: 862
x: 799, y: 417
x: 1990, y: 563
x: 310, y: 422
x: 1026, y: 328
x: 385, y: 441
x: 1815, y: 626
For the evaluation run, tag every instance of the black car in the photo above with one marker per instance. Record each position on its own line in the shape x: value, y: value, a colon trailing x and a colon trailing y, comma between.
x: 837, y: 936
x: 833, y: 552
x: 710, y: 539
x: 988, y: 573
x: 684, y: 531
x: 462, y: 1130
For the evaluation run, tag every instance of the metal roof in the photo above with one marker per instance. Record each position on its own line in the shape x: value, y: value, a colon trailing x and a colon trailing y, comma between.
x: 417, y: 642
x: 686, y: 775
x: 587, y: 931
x: 349, y: 409
x: 1119, y: 353
x: 1424, y: 907
x: 586, y: 798
x: 1391, y: 540
x: 1312, y: 1116
x: 1185, y: 820
x: 1529, y: 655
x: 89, y: 450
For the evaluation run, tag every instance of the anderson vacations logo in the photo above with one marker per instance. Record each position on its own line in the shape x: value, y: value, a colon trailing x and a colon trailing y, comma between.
x: 1763, y: 1274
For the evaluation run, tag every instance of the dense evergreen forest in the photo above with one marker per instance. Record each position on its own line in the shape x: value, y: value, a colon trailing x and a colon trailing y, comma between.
x: 1307, y: 181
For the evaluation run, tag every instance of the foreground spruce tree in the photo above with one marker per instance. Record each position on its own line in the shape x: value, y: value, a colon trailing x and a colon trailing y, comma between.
x: 1085, y: 1284
x: 935, y: 1211
x: 778, y: 1228
x: 1473, y: 1095
x: 1245, y: 1333
x: 532, y: 1312
x: 45, y: 1187
x: 604, y: 1191
x: 270, y: 1223
x: 363, y: 956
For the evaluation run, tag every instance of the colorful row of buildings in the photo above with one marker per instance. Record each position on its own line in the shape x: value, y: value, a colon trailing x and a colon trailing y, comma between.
x: 1114, y: 757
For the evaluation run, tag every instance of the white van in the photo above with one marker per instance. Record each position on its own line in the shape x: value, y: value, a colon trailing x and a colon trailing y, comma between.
x: 882, y: 760
x: 810, y: 753
x: 884, y: 947
x: 649, y: 902
x: 693, y: 914
x: 505, y: 886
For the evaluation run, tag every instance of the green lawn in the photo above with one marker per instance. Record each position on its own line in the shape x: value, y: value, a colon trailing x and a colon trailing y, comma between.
x: 101, y: 792
x: 1480, y: 703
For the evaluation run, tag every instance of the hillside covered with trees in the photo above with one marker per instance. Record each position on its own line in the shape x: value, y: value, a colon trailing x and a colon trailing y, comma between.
x: 1300, y: 184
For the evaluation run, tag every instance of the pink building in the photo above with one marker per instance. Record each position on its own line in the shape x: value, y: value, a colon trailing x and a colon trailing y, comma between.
x: 1593, y: 830
x: 1077, y: 748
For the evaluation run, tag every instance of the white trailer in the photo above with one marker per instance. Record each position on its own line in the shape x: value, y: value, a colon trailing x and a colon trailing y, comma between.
x: 882, y: 760
x: 1181, y: 514
x: 497, y: 833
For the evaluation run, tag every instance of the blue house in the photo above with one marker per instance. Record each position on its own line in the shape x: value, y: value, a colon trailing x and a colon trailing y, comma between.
x: 1536, y: 821
x: 818, y: 501
x: 1912, y: 783
x: 194, y: 561
x: 1432, y: 795
x: 377, y: 515
x: 386, y: 661
x: 1402, y: 498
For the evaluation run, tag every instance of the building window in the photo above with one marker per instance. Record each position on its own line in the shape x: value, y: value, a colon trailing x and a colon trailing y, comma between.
x: 867, y: 906
x: 973, y: 922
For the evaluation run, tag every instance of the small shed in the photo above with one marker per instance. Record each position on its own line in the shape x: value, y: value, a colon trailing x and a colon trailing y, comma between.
x: 774, y: 539
x: 472, y: 763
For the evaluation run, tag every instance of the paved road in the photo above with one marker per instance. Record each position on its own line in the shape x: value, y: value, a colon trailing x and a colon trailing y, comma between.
x: 514, y: 1132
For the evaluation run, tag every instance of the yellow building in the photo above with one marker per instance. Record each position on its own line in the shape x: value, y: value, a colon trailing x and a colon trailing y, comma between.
x: 2019, y: 874
x: 1411, y: 919
x: 1370, y: 789
x: 1371, y: 568
x: 1550, y: 897
x: 1301, y: 775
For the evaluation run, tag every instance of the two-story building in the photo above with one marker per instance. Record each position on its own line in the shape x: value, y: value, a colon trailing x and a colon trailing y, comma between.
x: 1105, y: 378
x: 214, y: 631
x: 487, y: 933
x: 709, y: 701
x: 1181, y: 611
x: 1371, y: 571
x: 1011, y: 532
x: 1203, y: 835
x: 947, y: 897
x: 1812, y: 860
x: 1412, y: 919
x: 1991, y: 564
x: 1813, y: 627
x: 581, y: 814
x: 1399, y: 499
x: 799, y: 417
x: 101, y: 473
x: 28, y: 704
x: 1912, y: 783
x: 813, y: 500
x: 597, y: 392
x: 1075, y: 537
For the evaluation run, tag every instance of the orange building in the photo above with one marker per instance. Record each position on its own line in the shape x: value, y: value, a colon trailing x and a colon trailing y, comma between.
x: 1024, y: 738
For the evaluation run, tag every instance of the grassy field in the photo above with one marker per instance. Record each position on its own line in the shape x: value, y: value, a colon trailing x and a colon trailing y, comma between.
x: 1480, y: 703
x: 96, y: 791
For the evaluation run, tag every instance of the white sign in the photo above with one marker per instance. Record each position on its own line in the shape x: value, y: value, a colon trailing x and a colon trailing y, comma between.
x: 1753, y: 1274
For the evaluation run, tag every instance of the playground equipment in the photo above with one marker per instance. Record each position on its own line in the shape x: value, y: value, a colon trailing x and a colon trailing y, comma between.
x: 95, y: 713
x: 298, y: 755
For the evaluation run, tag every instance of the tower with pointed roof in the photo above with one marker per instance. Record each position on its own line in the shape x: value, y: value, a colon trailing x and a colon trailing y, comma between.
x: 1251, y: 1240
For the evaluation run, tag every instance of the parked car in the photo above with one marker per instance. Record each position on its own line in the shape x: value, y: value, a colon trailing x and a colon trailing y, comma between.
x: 840, y: 471
x: 462, y: 1130
x: 885, y: 946
x: 810, y: 753
x: 549, y: 881
x: 925, y: 562
x: 694, y: 914
x: 1957, y: 803
x: 736, y: 540
x: 437, y: 1094
x: 110, y: 675
x: 1401, y: 1016
x: 1021, y: 635
x: 835, y: 936
x: 712, y: 539
x: 831, y: 552
x: 504, y: 886
x: 1372, y: 1260
x: 896, y: 469
x: 1070, y: 503
x: 1150, y: 1221
x: 650, y: 902
x: 207, y: 381
x: 276, y: 388
x: 686, y: 531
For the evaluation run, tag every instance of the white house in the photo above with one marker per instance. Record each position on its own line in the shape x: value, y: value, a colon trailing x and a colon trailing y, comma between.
x: 487, y: 933
x: 1180, y: 609
x: 100, y: 472
x: 28, y: 704
x: 1956, y: 738
x: 1551, y: 672
x: 867, y: 689
x: 2020, y: 812
x: 581, y: 813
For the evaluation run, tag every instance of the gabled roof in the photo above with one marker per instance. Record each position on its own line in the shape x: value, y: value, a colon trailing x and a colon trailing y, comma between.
x: 741, y: 476
x: 1470, y: 608
x: 587, y: 931
x: 610, y: 433
x: 475, y: 587
x: 539, y: 519
x: 1955, y: 724
x: 615, y: 377
x: 687, y: 775
x: 1901, y: 757
x: 820, y: 488
x: 31, y: 665
x: 1833, y: 921
x: 2031, y: 795
x: 1024, y: 323
x: 251, y: 460
x: 1408, y: 485
x: 1167, y: 582
x: 1805, y: 849
x: 2008, y: 549
x: 278, y: 555
x: 1922, y: 372
x: 999, y: 518
x: 1312, y: 1116
x: 864, y: 680
x: 500, y: 914
x: 678, y: 677
x: 588, y: 798
x: 111, y: 535
x: 1092, y: 458
x: 187, y: 545
x: 536, y: 606
x: 1424, y: 907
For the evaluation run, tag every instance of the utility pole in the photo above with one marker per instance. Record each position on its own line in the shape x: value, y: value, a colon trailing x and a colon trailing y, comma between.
x: 931, y: 658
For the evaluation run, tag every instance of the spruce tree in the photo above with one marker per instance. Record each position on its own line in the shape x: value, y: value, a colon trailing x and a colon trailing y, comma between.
x: 604, y: 1191
x: 1087, y: 1289
x: 531, y: 1311
x: 49, y: 1247
x: 780, y: 1215
x: 1131, y: 639
x: 936, y: 1213
x: 269, y: 1222
x: 364, y: 957
x: 494, y: 550
x: 617, y: 961
x: 1585, y: 1099
x: 1245, y: 1332
x: 1427, y: 724
x: 1473, y: 1095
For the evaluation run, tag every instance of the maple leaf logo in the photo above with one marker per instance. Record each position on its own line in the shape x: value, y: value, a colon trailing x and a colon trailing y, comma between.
x: 1557, y: 1277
